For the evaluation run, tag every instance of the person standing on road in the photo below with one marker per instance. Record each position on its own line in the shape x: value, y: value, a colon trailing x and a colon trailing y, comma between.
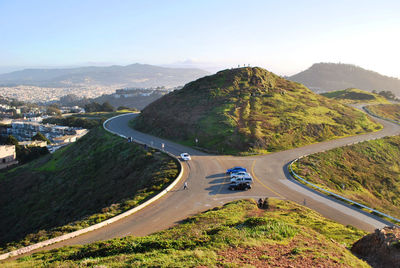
x: 185, y: 185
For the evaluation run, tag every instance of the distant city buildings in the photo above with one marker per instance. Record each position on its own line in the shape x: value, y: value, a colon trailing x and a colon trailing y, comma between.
x: 24, y: 130
x: 34, y: 94
x: 33, y: 143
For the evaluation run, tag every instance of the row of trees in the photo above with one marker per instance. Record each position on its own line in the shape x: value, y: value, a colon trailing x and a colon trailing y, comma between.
x: 386, y: 94
x: 97, y: 107
x: 73, y: 121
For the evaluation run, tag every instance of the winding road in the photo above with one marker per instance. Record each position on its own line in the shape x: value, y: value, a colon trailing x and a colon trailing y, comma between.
x: 208, y: 186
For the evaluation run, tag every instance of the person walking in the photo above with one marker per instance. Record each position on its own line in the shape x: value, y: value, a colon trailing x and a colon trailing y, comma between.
x: 185, y: 185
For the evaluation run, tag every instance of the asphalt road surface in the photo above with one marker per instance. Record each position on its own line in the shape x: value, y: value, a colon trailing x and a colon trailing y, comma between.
x: 208, y: 186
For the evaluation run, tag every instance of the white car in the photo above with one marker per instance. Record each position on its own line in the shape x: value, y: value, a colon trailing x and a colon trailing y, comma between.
x: 239, y: 174
x: 247, y: 179
x: 185, y: 156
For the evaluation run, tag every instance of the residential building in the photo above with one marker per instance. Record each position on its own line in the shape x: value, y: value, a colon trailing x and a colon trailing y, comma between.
x: 7, y: 156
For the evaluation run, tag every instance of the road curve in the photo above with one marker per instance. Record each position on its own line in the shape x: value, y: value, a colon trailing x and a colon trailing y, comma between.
x: 208, y: 186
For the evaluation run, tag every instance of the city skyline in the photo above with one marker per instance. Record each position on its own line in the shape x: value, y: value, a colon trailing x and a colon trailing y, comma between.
x: 285, y: 37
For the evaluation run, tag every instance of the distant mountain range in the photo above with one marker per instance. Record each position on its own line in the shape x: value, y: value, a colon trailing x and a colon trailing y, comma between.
x: 134, y: 75
x: 324, y: 77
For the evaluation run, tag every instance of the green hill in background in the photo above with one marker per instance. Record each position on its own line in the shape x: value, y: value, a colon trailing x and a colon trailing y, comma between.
x: 249, y: 110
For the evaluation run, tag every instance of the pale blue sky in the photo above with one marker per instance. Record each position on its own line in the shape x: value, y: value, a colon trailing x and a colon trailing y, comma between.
x: 282, y: 36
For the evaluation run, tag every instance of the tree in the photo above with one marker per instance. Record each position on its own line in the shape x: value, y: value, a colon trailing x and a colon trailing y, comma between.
x: 387, y: 94
x: 123, y: 108
x: 11, y: 140
x: 40, y: 137
x: 93, y: 107
x: 107, y: 107
x: 53, y: 110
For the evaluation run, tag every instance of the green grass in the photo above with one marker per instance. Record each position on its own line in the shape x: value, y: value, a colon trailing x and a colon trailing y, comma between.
x: 93, y: 179
x: 390, y: 111
x: 368, y: 172
x: 354, y: 95
x: 249, y: 111
x: 285, y: 234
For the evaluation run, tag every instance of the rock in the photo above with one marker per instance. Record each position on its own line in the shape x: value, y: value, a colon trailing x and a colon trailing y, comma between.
x: 381, y: 248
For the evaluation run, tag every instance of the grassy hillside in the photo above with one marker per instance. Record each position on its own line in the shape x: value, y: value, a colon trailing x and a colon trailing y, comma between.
x: 249, y: 110
x: 97, y: 177
x: 391, y: 111
x: 236, y: 235
x: 368, y: 172
x: 354, y: 95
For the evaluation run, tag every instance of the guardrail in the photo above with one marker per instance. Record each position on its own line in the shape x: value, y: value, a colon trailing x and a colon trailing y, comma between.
x: 368, y: 111
x: 103, y: 223
x: 336, y: 195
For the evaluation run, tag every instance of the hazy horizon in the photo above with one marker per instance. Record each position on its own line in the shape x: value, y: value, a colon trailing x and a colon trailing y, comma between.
x: 285, y: 37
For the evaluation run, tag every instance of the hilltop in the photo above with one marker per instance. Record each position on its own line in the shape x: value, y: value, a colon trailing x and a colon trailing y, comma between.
x: 239, y: 234
x: 134, y: 75
x: 354, y: 95
x: 323, y: 77
x: 249, y: 110
x: 95, y: 178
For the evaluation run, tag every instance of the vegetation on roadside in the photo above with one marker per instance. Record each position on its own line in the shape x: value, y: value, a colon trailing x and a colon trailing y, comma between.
x: 354, y: 95
x: 86, y: 120
x: 249, y: 110
x: 91, y: 180
x: 390, y: 111
x: 367, y: 172
x: 235, y: 235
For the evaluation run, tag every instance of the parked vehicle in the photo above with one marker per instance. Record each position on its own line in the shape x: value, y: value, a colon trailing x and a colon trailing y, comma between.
x: 243, y: 186
x: 245, y: 179
x: 235, y: 169
x: 185, y: 156
x: 239, y: 174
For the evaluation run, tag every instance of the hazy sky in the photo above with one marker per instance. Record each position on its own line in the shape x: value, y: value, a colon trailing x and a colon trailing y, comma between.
x: 282, y: 36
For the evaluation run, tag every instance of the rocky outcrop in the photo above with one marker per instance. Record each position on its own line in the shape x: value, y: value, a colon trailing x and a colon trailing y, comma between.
x: 381, y: 248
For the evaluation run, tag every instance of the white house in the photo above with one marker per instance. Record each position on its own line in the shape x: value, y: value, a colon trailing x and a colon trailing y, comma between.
x: 7, y: 155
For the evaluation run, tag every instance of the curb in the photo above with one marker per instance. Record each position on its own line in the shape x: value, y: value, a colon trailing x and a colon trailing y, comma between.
x: 103, y: 223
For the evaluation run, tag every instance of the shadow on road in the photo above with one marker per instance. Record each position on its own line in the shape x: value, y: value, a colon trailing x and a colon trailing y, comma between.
x: 216, y: 176
x: 221, y: 180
